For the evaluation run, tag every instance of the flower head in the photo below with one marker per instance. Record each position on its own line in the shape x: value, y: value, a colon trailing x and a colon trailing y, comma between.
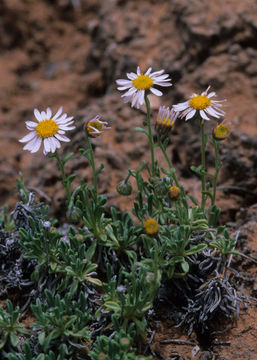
x: 151, y: 226
x: 220, y: 132
x: 203, y: 104
x: 48, y: 129
x: 174, y: 192
x: 165, y: 120
x: 139, y: 83
x: 96, y: 127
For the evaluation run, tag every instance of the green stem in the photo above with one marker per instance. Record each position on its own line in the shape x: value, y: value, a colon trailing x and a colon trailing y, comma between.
x: 203, y: 147
x: 92, y: 163
x: 217, y: 169
x: 168, y: 161
x: 150, y: 136
x: 64, y: 177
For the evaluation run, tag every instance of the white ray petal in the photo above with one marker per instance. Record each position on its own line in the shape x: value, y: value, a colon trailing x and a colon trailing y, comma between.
x: 123, y: 82
x: 37, y: 115
x: 47, y: 145
x: 62, y: 137
x: 31, y: 125
x: 155, y: 91
x: 148, y: 71
x: 57, y: 114
x: 203, y: 115
x: 28, y: 137
x: 190, y: 114
x: 48, y: 113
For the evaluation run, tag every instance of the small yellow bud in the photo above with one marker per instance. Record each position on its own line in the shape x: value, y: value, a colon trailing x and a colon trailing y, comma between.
x: 174, y: 192
x: 151, y: 226
x: 79, y: 237
x: 220, y: 132
x: 101, y: 356
x: 124, y: 341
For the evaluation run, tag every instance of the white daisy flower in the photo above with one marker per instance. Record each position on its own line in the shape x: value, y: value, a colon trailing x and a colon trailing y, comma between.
x: 203, y: 104
x: 139, y: 83
x: 48, y: 129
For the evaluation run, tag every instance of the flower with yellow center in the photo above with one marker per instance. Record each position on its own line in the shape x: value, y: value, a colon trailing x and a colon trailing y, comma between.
x: 202, y: 104
x: 165, y: 120
x: 151, y: 226
x: 48, y: 129
x: 220, y: 132
x: 174, y: 192
x: 96, y: 127
x: 139, y: 83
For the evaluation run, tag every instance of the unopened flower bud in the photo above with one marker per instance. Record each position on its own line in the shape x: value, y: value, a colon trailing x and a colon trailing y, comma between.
x: 124, y: 341
x: 165, y: 120
x: 79, y: 237
x: 101, y: 356
x: 124, y: 188
x: 174, y: 192
x: 73, y: 214
x: 220, y: 132
x: 96, y: 127
x: 160, y: 187
x: 151, y: 226
x: 150, y: 276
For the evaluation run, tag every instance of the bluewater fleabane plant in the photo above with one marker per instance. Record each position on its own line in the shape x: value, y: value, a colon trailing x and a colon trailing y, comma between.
x: 96, y: 127
x: 201, y: 104
x: 139, y: 83
x: 48, y: 129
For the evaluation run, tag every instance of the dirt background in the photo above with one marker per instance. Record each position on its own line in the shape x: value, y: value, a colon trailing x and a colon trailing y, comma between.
x: 69, y: 53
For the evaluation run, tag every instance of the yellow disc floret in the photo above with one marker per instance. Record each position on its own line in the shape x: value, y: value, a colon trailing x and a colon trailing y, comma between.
x: 46, y: 128
x: 151, y: 226
x: 200, y: 102
x: 142, y: 82
x: 94, y: 125
x: 165, y: 122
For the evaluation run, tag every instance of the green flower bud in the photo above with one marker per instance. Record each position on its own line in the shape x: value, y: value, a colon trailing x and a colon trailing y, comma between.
x: 73, y: 214
x: 124, y: 188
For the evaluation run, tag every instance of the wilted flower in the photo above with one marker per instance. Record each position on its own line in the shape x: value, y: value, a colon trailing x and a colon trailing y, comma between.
x: 203, y: 103
x: 165, y: 120
x: 48, y: 129
x: 151, y: 226
x: 138, y: 83
x: 220, y: 132
x: 96, y: 127
x: 174, y: 192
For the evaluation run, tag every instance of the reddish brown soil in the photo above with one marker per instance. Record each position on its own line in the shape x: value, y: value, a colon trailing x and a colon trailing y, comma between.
x: 54, y: 53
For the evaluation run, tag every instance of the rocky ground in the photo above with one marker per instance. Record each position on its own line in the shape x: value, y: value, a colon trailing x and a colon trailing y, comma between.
x: 69, y: 53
